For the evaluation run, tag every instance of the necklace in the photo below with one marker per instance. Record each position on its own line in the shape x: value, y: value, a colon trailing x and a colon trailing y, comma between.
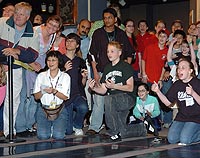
x: 111, y: 36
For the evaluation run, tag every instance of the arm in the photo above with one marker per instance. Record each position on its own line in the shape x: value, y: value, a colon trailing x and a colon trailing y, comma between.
x: 156, y: 110
x: 161, y: 96
x: 161, y: 77
x: 50, y: 90
x: 169, y: 53
x: 128, y: 87
x: 84, y: 74
x: 193, y: 56
x: 98, y: 89
x: 140, y: 64
x: 137, y: 113
x: 190, y: 91
x: 144, y: 75
x: 96, y: 74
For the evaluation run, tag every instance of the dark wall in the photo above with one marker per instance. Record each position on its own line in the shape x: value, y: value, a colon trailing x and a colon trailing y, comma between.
x: 168, y: 12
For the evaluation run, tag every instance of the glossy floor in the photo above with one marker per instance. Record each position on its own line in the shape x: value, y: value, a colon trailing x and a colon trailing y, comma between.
x: 99, y: 146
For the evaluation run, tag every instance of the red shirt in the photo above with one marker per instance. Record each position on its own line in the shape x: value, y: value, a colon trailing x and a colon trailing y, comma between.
x: 154, y: 61
x: 143, y: 41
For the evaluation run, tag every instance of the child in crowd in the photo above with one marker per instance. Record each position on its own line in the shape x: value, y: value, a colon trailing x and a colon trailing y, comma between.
x: 52, y: 87
x: 75, y: 67
x: 187, y: 52
x: 147, y: 108
x: 185, y: 128
x: 117, y: 82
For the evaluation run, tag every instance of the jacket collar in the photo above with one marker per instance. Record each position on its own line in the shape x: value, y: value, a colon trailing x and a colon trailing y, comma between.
x: 28, y: 30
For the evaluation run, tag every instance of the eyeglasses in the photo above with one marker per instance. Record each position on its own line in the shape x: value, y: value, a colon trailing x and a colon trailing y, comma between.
x: 53, y: 25
x: 142, y: 91
x: 129, y: 26
x: 53, y: 60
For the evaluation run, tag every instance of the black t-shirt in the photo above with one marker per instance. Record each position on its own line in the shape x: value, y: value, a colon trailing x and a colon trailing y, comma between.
x: 77, y: 87
x: 188, y: 108
x: 118, y: 73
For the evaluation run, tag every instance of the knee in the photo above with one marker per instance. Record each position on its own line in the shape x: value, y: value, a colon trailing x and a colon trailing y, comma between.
x: 43, y: 137
x: 83, y: 108
x: 171, y: 139
x: 185, y: 140
x: 58, y: 135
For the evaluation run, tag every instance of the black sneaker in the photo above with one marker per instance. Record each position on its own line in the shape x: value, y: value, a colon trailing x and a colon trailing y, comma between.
x: 116, y: 138
x: 24, y: 134
x: 32, y: 132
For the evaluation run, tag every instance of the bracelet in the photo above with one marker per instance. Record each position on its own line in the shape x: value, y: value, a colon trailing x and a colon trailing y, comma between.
x: 55, y: 92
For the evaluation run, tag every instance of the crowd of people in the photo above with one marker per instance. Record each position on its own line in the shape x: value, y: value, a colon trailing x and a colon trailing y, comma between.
x: 130, y: 83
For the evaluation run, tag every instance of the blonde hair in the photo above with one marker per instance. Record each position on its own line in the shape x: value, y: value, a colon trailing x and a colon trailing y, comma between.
x: 3, y: 78
x: 115, y: 44
x: 24, y: 5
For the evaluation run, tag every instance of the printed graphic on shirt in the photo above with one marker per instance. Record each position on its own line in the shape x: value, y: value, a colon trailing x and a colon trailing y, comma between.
x: 115, y: 77
x: 183, y: 96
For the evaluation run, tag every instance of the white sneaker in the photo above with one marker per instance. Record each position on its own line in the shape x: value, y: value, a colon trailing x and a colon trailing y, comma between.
x: 182, y: 144
x: 166, y: 125
x: 78, y: 132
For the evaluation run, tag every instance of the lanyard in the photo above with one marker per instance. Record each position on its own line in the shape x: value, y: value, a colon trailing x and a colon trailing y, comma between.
x: 52, y: 84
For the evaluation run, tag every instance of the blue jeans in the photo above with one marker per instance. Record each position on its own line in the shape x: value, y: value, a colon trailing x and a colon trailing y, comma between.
x: 46, y: 128
x: 166, y: 114
x: 184, y: 132
x: 27, y: 109
x: 76, y: 112
x: 97, y: 112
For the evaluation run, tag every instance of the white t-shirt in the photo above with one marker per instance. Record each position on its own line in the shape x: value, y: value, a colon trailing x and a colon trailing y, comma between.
x: 62, y: 83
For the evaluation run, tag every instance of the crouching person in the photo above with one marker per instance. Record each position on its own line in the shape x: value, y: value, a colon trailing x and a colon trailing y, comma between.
x: 117, y: 82
x: 52, y: 87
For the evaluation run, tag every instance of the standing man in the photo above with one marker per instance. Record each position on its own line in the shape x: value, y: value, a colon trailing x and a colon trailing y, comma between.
x: 98, y: 49
x: 83, y: 29
x: 17, y: 39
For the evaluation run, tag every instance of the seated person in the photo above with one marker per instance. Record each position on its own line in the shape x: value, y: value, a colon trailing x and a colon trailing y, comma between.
x: 147, y: 108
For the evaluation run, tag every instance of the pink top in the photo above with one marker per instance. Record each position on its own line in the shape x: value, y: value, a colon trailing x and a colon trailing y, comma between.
x: 2, y: 94
x: 61, y: 47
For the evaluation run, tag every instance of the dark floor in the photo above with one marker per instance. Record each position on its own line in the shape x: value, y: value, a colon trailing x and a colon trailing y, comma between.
x: 99, y: 146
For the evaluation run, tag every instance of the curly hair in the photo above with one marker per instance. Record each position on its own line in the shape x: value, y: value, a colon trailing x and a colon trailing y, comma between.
x: 3, y: 78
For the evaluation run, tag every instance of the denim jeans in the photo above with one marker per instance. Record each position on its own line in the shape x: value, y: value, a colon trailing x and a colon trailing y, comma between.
x: 184, y: 132
x: 117, y: 108
x: 27, y: 109
x: 97, y: 112
x: 46, y: 128
x: 76, y: 112
x: 166, y: 114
